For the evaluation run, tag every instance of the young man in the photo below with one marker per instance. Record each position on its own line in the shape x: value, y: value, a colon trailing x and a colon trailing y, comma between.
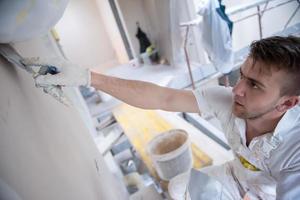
x: 260, y: 116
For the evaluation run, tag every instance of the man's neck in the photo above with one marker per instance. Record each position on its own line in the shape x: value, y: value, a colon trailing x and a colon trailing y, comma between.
x: 260, y: 126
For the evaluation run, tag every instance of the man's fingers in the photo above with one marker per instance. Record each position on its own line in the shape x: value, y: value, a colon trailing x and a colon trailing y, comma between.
x: 46, y: 80
x: 57, y: 93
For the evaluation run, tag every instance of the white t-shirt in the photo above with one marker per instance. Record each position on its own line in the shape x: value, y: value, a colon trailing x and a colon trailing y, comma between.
x: 276, y: 154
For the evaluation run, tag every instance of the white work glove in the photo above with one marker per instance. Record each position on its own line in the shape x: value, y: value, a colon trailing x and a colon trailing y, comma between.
x: 57, y: 93
x: 69, y: 74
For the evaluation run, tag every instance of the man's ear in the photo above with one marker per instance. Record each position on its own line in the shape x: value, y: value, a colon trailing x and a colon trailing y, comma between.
x: 288, y: 103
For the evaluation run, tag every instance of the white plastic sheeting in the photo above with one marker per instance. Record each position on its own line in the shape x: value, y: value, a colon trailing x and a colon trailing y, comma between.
x: 26, y: 19
x: 216, y: 37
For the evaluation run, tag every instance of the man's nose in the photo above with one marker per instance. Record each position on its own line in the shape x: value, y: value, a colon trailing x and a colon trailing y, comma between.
x: 239, y: 88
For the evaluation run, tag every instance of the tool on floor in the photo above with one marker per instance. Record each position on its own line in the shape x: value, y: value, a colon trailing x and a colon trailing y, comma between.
x: 11, y: 55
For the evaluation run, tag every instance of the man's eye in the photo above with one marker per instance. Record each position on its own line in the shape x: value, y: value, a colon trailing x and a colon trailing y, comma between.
x: 253, y: 85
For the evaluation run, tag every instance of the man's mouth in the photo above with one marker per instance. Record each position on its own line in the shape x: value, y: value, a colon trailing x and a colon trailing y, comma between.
x: 238, y: 102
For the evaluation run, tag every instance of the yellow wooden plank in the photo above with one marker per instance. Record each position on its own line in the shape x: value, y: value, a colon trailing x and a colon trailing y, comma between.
x: 141, y: 126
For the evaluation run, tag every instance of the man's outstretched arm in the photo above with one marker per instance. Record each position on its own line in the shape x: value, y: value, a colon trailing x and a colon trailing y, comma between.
x: 145, y: 95
x: 136, y: 93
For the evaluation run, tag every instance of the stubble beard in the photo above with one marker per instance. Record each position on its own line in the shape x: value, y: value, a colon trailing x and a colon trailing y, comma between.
x: 244, y: 114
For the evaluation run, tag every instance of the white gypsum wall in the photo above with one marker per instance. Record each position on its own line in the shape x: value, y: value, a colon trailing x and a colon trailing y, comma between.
x: 84, y: 38
x: 46, y: 150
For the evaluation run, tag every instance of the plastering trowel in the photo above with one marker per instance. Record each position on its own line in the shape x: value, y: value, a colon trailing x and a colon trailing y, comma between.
x: 15, y: 58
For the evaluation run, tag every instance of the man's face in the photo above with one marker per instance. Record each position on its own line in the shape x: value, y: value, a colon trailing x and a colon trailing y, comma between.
x: 257, y: 93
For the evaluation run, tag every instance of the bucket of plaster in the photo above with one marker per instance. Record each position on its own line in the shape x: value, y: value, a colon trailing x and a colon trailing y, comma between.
x: 171, y: 153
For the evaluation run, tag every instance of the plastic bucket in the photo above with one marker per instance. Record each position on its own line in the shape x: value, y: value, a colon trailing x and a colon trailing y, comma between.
x: 170, y: 153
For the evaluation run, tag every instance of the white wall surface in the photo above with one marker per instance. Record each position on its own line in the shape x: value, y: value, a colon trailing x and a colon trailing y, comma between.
x: 84, y: 37
x: 112, y: 29
x: 46, y: 150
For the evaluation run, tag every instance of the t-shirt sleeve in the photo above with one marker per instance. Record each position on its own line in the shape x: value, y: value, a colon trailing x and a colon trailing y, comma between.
x: 214, y: 100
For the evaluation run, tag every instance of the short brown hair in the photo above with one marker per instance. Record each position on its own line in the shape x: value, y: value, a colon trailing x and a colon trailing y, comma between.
x: 280, y: 53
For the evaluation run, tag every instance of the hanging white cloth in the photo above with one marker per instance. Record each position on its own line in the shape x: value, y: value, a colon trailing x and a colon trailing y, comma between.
x: 216, y: 37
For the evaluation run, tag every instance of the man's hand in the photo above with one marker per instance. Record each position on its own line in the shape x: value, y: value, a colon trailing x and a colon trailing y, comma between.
x: 69, y: 73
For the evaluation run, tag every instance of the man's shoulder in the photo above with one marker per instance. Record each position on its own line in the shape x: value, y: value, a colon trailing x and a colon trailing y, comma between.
x: 287, y: 155
x: 214, y: 88
x: 214, y: 93
x: 289, y: 125
x: 213, y: 98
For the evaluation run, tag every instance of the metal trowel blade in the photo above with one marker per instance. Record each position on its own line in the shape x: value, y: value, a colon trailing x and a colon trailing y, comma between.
x: 12, y: 56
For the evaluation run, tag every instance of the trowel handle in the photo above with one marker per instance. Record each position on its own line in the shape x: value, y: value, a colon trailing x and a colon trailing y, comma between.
x: 48, y: 70
x: 52, y: 70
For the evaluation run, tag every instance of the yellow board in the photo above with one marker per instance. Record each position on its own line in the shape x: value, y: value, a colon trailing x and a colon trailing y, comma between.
x: 141, y: 126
